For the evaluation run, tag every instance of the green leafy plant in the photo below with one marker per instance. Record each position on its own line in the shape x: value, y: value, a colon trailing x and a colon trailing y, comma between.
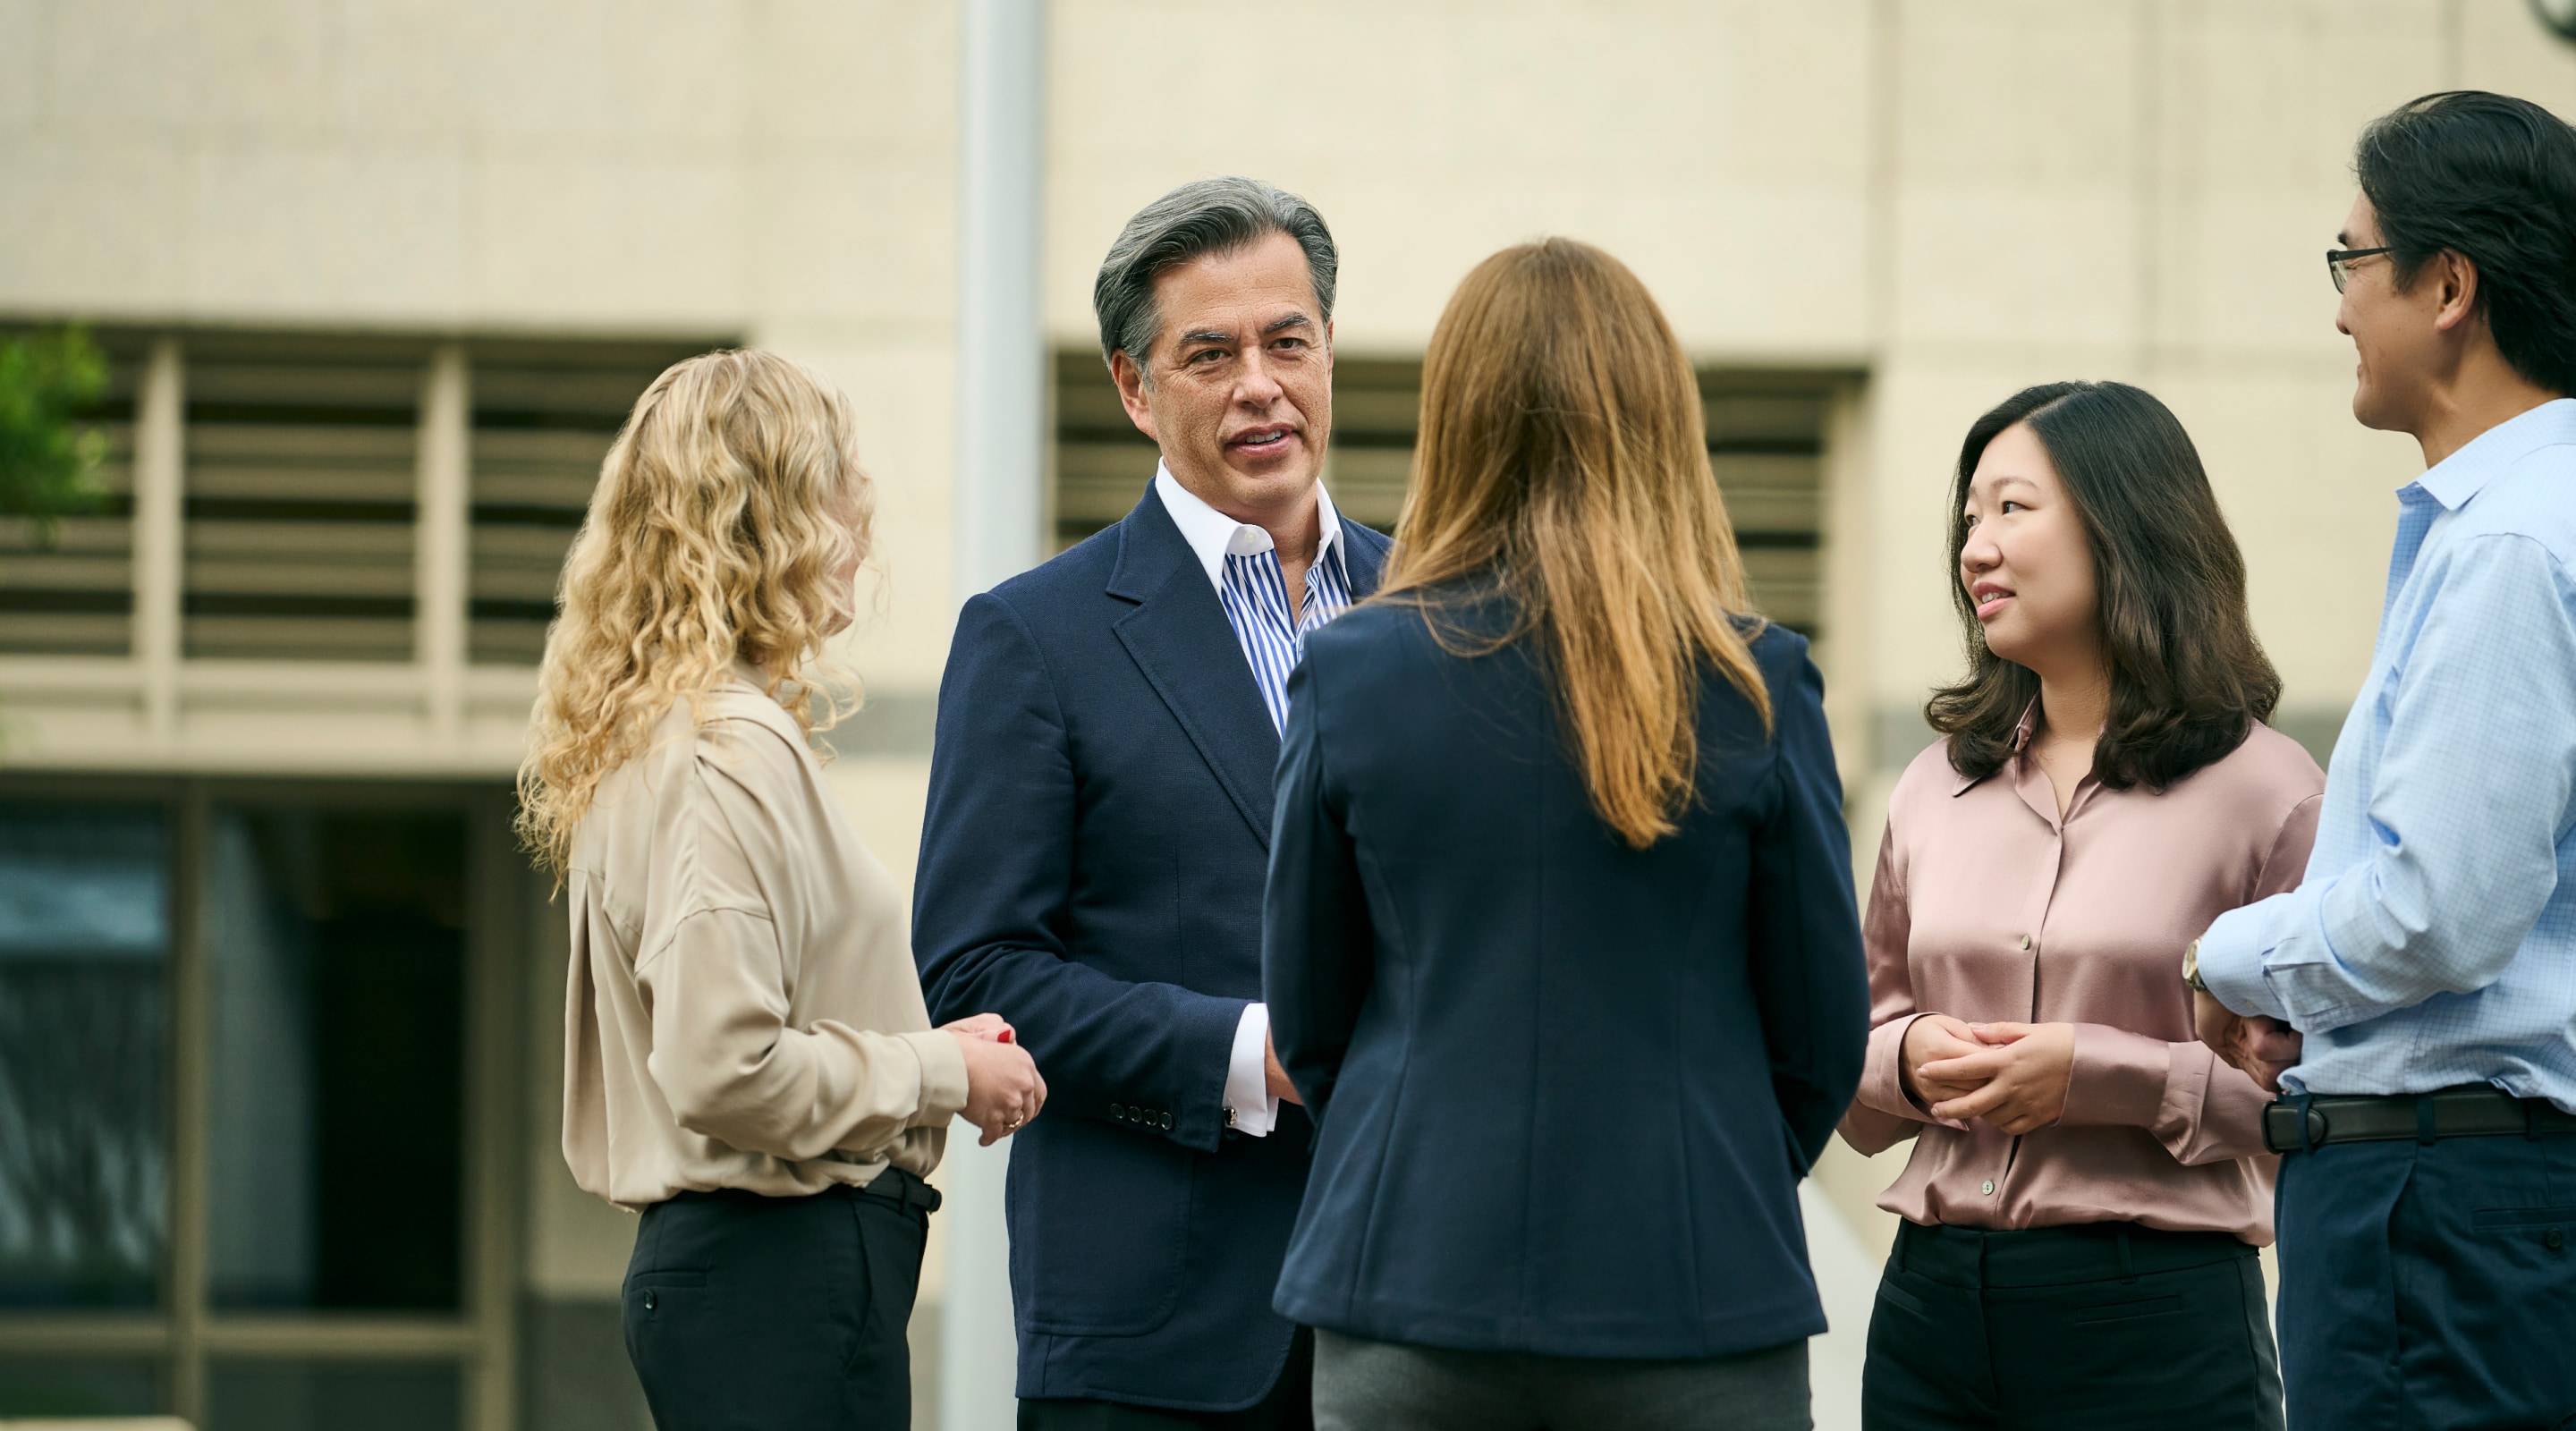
x: 48, y: 458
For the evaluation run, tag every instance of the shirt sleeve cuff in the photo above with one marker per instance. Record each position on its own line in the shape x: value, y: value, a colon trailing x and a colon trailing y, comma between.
x: 1882, y: 1083
x: 2232, y: 956
x: 1249, y: 1107
x: 2118, y: 1078
x: 943, y: 1077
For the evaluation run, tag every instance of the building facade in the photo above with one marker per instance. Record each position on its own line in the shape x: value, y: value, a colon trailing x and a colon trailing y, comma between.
x: 280, y: 1009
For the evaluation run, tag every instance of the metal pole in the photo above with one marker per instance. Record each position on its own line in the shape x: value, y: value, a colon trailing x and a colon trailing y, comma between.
x: 1001, y: 418
x: 160, y: 536
x: 1001, y: 344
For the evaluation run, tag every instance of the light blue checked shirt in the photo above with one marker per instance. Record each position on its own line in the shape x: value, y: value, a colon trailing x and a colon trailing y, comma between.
x: 1243, y: 565
x: 2433, y: 941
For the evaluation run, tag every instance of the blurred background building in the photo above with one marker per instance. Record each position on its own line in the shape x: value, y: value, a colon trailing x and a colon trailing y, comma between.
x: 280, y: 1009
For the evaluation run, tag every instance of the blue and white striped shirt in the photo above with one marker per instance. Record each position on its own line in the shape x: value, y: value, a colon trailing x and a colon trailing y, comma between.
x: 1240, y: 560
x: 2433, y: 941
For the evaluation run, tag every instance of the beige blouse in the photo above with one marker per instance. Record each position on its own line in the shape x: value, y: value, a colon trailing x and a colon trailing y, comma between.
x: 743, y: 1009
x: 1988, y: 908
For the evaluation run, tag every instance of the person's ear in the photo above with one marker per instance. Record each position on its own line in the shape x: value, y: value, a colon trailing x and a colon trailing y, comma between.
x: 2458, y: 290
x: 1131, y: 392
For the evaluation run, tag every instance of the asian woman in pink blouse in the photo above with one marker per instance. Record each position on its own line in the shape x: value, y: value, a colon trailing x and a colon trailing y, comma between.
x: 2088, y: 1184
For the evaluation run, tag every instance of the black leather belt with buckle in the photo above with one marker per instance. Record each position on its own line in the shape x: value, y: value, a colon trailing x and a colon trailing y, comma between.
x: 2474, y: 1111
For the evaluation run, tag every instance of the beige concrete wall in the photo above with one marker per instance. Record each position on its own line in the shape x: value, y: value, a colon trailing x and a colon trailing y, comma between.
x: 1720, y: 147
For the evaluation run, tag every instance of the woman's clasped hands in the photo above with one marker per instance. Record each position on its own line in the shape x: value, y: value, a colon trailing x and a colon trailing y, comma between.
x: 1003, y: 1089
x: 2013, y: 1076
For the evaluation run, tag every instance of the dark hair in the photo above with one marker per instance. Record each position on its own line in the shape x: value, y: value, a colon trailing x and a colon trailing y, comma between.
x: 2188, y: 678
x: 1208, y: 216
x: 2492, y: 179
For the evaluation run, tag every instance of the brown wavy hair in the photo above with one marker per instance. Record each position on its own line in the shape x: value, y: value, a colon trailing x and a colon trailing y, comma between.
x: 1563, y: 458
x: 726, y: 513
x: 2188, y: 678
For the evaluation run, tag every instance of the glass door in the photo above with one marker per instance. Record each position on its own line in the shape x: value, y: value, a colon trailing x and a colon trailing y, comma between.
x: 245, y: 1033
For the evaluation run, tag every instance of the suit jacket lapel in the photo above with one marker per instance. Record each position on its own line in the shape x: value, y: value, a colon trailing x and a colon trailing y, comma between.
x: 1179, y: 638
x: 1363, y: 558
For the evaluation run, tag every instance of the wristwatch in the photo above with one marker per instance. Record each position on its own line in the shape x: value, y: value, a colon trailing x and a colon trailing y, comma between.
x: 2191, y: 968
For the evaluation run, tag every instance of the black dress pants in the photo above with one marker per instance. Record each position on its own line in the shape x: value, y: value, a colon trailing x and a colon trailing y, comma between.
x: 1288, y: 1407
x: 2101, y: 1327
x: 751, y: 1313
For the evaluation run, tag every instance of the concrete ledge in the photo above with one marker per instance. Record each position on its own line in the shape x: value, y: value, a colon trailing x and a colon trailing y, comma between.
x: 103, y: 1423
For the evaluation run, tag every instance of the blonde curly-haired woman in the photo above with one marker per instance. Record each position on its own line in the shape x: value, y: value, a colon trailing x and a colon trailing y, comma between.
x: 747, y: 1060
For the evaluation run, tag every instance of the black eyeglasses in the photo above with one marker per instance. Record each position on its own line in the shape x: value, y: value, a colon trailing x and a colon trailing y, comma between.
x: 2339, y: 262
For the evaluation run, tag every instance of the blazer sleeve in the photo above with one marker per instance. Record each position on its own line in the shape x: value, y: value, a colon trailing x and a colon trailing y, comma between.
x: 1805, y: 956
x: 994, y: 894
x: 1318, y: 952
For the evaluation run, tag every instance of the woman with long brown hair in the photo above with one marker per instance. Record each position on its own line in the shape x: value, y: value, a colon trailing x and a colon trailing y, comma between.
x: 2088, y: 1183
x: 747, y: 1061
x: 1560, y: 945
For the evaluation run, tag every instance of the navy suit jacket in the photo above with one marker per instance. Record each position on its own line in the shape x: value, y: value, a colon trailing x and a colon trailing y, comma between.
x: 1565, y: 1088
x: 1091, y: 869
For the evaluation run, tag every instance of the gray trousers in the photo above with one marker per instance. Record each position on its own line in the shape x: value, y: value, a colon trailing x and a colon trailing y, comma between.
x: 1362, y: 1385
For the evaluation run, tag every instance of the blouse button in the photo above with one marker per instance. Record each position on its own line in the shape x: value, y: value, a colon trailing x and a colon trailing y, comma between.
x: 2025, y: 941
x: 1989, y: 1188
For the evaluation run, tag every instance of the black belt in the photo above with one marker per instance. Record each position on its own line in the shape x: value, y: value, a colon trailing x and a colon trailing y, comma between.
x: 895, y: 1185
x: 902, y: 1186
x: 2473, y: 1111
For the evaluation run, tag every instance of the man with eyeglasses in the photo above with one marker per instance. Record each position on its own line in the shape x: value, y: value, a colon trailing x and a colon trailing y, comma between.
x: 2414, y: 1000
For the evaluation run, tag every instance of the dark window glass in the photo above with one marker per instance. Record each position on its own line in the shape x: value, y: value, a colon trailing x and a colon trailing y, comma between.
x: 336, y: 948
x: 68, y: 1387
x: 84, y: 971
x: 264, y: 1395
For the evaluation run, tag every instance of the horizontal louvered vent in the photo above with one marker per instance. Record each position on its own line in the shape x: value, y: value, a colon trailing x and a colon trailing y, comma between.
x: 300, y: 464
x: 1765, y: 440
x: 544, y: 415
x: 301, y: 480
x: 74, y: 595
x: 1102, y: 462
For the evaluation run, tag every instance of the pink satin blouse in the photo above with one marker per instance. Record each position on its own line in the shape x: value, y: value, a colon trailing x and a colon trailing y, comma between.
x: 1989, y: 908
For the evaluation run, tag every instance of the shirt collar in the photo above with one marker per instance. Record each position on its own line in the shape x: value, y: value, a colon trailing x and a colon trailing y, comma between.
x: 1213, y: 536
x: 2020, y: 743
x: 2462, y: 475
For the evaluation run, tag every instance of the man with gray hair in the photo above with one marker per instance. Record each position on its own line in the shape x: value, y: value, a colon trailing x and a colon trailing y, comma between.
x: 1098, y: 834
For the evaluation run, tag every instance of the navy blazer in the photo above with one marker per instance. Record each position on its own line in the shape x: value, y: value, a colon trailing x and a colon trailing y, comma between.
x: 1565, y: 1088
x: 1091, y: 869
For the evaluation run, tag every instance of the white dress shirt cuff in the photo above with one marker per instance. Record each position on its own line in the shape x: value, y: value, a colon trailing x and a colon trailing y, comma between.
x: 1249, y: 1107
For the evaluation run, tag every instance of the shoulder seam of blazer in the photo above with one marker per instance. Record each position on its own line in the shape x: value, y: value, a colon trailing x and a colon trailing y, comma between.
x: 1037, y: 648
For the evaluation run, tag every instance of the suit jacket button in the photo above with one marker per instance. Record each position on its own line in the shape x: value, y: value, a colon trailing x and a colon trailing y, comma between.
x: 1167, y: 1122
x: 650, y: 1300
